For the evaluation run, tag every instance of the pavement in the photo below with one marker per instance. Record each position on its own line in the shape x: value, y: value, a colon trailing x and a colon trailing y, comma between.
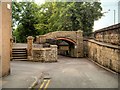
x: 66, y: 73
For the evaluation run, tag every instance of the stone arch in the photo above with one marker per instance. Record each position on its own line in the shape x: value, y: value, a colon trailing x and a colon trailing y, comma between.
x: 75, y: 37
x: 66, y: 46
x: 67, y: 39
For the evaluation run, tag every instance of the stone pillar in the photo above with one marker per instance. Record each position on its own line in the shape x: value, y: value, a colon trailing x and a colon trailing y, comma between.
x: 54, y: 53
x: 42, y: 39
x: 11, y: 45
x: 37, y: 39
x: 47, y: 55
x: 29, y: 47
x: 79, y: 44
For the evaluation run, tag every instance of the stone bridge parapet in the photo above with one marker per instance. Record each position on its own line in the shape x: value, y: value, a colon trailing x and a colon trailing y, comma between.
x: 75, y: 37
x: 104, y: 48
x: 109, y: 35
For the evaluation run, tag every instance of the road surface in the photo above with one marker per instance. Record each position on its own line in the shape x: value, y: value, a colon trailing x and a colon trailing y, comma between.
x: 66, y: 73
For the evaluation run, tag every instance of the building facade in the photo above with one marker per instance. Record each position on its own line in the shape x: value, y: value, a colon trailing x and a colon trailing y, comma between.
x: 5, y: 34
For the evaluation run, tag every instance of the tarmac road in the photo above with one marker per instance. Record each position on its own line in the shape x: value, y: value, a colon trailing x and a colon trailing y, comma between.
x: 79, y: 73
x: 66, y: 73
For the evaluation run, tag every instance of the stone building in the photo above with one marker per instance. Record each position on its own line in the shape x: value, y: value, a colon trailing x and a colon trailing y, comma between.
x: 5, y: 34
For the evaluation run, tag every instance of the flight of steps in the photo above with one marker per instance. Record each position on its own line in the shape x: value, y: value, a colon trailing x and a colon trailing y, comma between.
x: 19, y: 54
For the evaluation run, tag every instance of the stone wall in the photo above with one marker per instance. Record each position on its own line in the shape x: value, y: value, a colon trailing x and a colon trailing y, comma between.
x: 54, y: 52
x: 109, y: 35
x: 36, y: 52
x: 104, y: 54
x: 104, y: 48
x: 45, y: 54
x: 5, y: 31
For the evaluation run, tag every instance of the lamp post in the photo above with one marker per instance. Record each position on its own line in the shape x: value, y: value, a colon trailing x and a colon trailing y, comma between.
x: 106, y: 11
x: 114, y: 16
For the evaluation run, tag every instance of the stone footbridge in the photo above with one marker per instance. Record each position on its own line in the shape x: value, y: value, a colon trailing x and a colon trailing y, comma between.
x: 102, y: 47
x: 73, y: 38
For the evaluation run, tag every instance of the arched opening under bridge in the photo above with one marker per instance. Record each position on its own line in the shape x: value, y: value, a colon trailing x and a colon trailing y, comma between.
x: 66, y: 46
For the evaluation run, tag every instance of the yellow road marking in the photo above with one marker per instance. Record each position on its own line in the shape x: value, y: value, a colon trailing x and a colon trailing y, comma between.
x: 44, y: 85
x: 48, y: 82
x: 41, y: 86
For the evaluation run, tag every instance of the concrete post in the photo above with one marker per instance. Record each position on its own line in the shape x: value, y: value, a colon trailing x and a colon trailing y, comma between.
x: 29, y: 47
x: 54, y: 52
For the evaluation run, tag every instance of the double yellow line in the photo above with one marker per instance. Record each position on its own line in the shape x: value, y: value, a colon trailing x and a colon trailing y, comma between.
x: 44, y: 84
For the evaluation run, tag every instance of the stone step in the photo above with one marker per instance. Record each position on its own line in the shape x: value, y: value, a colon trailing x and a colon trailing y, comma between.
x: 19, y: 55
x: 17, y: 50
x: 20, y: 59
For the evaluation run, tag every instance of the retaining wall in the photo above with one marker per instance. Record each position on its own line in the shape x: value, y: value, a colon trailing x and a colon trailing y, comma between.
x: 45, y: 54
x: 104, y: 54
x: 104, y: 47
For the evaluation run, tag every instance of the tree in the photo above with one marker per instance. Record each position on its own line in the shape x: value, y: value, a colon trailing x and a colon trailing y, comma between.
x: 25, y: 17
x: 32, y: 19
x: 69, y: 16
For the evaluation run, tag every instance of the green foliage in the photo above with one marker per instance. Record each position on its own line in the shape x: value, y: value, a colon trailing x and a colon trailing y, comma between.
x: 69, y: 16
x: 25, y: 17
x: 33, y: 19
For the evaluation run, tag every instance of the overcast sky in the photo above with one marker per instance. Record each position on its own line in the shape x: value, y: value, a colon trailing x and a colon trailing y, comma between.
x: 109, y: 6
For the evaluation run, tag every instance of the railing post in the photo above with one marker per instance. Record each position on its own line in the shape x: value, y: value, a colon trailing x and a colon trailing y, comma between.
x: 30, y: 47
